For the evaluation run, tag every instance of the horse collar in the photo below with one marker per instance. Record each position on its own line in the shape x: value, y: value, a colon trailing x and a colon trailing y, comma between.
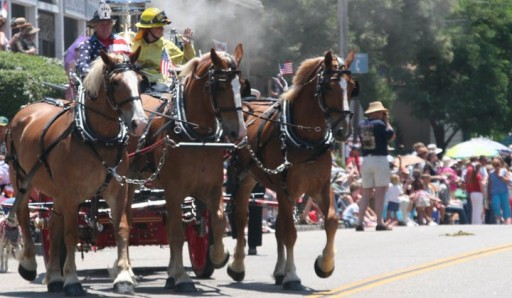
x: 297, y: 142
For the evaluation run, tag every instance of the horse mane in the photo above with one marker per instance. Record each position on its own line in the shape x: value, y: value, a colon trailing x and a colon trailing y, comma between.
x: 306, y: 69
x: 93, y: 79
x: 191, y: 66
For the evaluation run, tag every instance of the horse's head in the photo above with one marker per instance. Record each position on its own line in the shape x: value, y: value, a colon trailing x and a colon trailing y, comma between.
x: 218, y: 75
x: 121, y: 83
x: 335, y: 89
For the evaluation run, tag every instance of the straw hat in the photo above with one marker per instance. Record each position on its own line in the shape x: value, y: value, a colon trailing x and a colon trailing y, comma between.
x: 30, y: 30
x: 375, y: 106
x: 19, y: 23
x: 433, y: 148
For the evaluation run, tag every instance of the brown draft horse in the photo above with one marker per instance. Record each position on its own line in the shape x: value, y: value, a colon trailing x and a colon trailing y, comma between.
x: 288, y: 150
x: 209, y: 111
x: 71, y: 151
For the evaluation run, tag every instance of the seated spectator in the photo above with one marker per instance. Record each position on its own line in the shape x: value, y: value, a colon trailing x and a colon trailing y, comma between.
x: 435, y: 201
x: 351, y: 213
x: 26, y: 41
x: 17, y: 25
x: 4, y: 42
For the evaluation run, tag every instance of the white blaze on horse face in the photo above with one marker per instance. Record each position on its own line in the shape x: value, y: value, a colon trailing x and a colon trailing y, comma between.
x: 344, y: 87
x: 138, y: 120
x: 235, y: 84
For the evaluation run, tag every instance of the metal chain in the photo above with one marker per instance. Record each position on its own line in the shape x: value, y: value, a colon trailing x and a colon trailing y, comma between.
x: 286, y: 164
x: 153, y: 176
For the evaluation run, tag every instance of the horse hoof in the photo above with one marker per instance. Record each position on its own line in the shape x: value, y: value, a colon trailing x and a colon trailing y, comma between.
x: 223, y: 263
x: 124, y: 288
x: 320, y: 273
x: 55, y: 286
x: 27, y: 275
x: 74, y: 290
x: 279, y: 279
x: 236, y: 276
x: 170, y: 283
x: 294, y: 285
x: 185, y: 287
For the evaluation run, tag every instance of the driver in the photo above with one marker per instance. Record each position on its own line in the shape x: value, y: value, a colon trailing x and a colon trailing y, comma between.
x: 156, y: 50
x: 102, y: 39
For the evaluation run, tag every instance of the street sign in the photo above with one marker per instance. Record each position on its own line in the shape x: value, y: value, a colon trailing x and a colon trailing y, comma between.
x: 360, y: 63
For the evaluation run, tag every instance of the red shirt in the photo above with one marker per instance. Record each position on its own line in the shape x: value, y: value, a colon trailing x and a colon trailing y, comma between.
x: 473, y: 186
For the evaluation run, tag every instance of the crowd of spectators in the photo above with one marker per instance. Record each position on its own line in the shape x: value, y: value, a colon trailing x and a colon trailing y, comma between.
x: 431, y: 189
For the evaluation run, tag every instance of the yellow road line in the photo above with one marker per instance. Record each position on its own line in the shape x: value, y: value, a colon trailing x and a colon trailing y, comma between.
x: 382, y: 279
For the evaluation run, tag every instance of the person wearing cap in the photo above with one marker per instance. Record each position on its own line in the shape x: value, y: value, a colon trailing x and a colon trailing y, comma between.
x: 374, y: 134
x: 154, y: 46
x: 26, y: 41
x: 17, y: 25
x: 4, y: 42
x: 102, y: 39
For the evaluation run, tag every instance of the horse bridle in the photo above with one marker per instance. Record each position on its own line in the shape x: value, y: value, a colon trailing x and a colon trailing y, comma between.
x: 324, y: 77
x: 124, y: 66
x: 221, y: 75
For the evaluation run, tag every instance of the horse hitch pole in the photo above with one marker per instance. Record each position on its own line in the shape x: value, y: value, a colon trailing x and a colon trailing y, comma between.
x: 206, y: 144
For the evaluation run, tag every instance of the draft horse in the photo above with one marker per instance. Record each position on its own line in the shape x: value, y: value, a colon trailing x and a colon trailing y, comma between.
x: 289, y: 142
x: 200, y: 122
x: 73, y: 151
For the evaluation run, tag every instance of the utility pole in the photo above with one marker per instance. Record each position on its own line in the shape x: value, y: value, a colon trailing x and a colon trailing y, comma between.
x: 343, y: 23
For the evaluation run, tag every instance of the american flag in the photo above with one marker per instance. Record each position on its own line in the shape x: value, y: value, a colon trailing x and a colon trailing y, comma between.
x: 286, y: 68
x: 164, y: 63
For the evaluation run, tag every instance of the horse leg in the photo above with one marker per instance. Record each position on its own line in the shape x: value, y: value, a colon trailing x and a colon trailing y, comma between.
x: 219, y: 255
x: 324, y: 264
x: 27, y: 261
x: 178, y: 277
x: 240, y: 198
x: 124, y: 281
x: 286, y: 232
x: 54, y: 279
x: 72, y: 285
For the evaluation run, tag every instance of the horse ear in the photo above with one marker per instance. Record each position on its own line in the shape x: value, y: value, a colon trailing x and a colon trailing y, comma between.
x: 215, y: 58
x: 134, y: 55
x: 239, y: 53
x: 105, y: 58
x: 350, y: 58
x: 328, y: 59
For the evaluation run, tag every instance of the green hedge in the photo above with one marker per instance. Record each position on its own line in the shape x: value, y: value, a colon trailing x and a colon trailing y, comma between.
x: 22, y: 80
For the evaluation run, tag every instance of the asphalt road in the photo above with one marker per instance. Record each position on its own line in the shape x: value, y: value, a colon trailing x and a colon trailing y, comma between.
x: 441, y: 261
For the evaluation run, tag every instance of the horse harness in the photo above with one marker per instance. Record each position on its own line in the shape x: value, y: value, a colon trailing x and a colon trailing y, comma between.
x: 182, y: 126
x: 282, y: 110
x: 80, y: 129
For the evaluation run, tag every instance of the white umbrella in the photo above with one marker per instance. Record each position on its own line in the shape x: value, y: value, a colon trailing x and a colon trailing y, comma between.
x: 477, y: 147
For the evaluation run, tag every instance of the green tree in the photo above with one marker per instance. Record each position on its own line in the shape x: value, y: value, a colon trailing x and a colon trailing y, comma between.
x: 448, y: 60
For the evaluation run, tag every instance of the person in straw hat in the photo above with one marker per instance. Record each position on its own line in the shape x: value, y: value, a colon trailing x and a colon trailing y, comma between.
x: 102, y: 39
x: 26, y: 41
x: 17, y: 25
x: 374, y: 133
x: 154, y: 46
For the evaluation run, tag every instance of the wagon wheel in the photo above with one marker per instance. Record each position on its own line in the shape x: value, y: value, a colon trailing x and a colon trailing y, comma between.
x: 199, y: 239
